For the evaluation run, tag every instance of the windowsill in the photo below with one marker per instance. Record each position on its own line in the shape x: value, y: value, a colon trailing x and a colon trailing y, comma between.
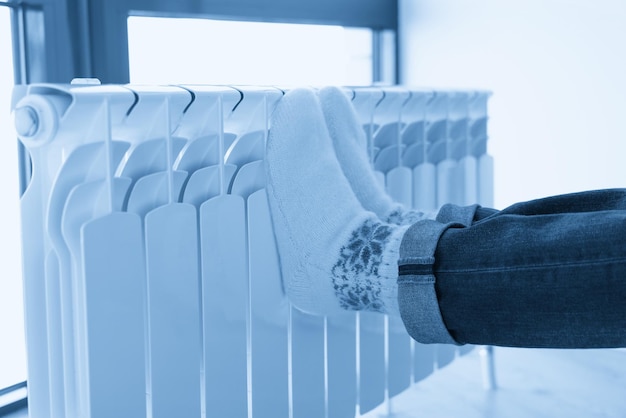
x: 13, y: 398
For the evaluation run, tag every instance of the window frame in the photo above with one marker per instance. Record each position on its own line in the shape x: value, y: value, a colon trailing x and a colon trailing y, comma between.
x: 89, y: 38
x: 111, y: 64
x: 17, y: 395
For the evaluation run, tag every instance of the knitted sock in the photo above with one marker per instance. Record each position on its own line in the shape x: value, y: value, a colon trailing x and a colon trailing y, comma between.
x: 350, y: 147
x: 334, y: 254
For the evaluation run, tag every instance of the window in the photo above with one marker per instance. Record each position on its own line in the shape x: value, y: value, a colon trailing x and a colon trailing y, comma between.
x: 12, y: 346
x: 113, y: 22
x: 204, y: 51
x: 338, y: 42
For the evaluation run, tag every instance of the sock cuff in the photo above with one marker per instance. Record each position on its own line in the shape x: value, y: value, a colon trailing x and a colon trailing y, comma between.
x: 400, y: 215
x: 388, y: 271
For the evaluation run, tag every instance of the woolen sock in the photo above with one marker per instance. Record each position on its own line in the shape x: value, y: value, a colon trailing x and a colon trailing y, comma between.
x: 334, y: 254
x: 350, y: 145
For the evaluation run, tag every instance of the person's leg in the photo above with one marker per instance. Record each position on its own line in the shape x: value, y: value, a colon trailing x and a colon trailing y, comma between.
x: 587, y: 201
x: 545, y: 273
x: 526, y: 276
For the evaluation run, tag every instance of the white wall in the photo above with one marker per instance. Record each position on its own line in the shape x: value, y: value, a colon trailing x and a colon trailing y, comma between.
x: 558, y: 72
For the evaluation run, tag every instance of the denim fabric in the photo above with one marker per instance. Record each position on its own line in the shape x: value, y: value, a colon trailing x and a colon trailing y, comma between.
x: 417, y: 296
x: 546, y: 273
x: 464, y: 215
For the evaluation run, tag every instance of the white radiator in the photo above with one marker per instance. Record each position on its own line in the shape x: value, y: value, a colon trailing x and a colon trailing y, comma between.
x: 152, y: 282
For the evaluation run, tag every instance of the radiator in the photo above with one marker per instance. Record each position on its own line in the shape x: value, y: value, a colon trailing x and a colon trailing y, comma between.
x: 151, y: 277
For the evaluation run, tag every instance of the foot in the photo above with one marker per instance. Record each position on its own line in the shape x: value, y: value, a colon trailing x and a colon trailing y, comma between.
x: 335, y: 255
x: 350, y: 147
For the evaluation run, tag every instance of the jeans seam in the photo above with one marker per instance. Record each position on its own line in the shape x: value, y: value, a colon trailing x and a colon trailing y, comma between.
x: 533, y: 266
x: 412, y: 280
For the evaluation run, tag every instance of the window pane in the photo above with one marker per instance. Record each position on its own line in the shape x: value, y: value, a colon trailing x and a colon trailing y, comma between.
x: 12, y: 347
x: 173, y: 50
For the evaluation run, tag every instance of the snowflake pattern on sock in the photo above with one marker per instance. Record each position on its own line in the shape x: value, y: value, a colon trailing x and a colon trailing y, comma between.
x: 355, y: 275
x: 404, y: 217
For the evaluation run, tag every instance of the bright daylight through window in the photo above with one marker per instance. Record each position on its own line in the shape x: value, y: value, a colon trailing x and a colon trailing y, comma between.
x: 172, y: 50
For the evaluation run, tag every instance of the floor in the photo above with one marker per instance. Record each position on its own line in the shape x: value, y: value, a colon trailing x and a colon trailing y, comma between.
x: 531, y: 384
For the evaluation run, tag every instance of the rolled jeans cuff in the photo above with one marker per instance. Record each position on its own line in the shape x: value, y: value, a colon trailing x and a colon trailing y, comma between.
x: 417, y: 297
x: 459, y: 214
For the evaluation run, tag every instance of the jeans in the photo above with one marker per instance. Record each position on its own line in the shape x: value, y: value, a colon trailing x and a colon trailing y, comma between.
x: 545, y: 273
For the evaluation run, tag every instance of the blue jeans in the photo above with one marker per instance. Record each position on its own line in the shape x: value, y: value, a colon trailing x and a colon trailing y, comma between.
x: 545, y: 273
